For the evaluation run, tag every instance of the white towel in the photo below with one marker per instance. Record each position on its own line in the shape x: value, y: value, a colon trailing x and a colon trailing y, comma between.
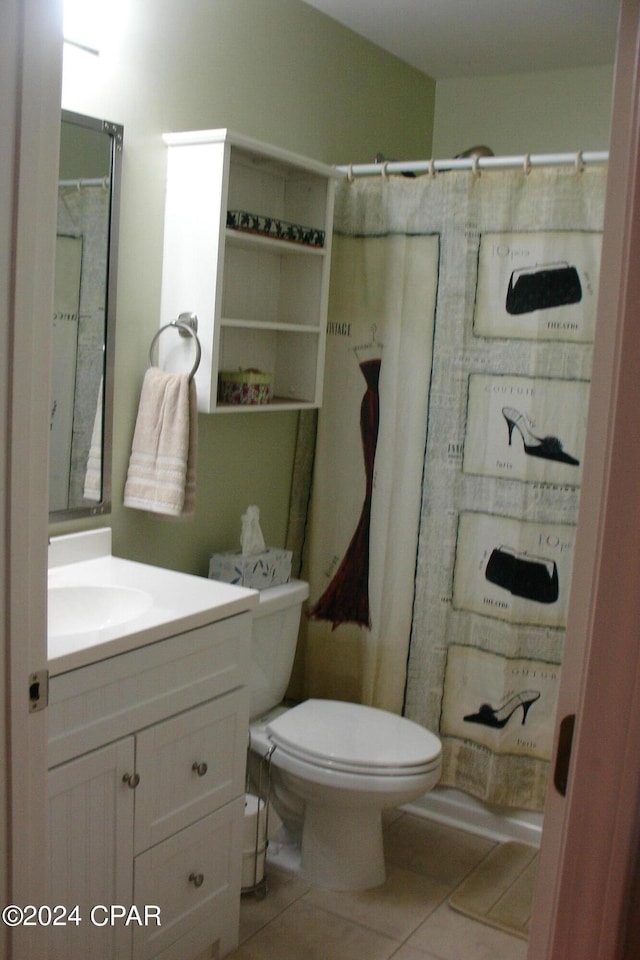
x: 93, y: 473
x: 162, y: 466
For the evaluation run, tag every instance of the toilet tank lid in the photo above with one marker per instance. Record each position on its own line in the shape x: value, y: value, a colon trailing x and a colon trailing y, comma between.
x: 272, y: 599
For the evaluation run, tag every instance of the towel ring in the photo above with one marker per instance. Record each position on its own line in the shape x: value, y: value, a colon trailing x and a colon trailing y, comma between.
x: 184, y: 329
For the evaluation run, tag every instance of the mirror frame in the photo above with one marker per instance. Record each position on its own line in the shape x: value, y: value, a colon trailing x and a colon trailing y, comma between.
x: 116, y: 132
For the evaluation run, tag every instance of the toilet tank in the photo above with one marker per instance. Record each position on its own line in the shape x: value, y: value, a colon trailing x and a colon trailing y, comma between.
x: 273, y: 644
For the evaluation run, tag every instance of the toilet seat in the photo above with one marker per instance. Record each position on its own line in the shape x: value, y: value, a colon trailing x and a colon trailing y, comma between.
x: 356, y: 739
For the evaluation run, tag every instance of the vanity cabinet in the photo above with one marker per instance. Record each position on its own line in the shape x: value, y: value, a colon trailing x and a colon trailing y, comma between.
x: 146, y: 797
x: 247, y: 246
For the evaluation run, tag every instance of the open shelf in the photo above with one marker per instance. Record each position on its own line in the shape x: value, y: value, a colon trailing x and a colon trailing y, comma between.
x: 261, y: 300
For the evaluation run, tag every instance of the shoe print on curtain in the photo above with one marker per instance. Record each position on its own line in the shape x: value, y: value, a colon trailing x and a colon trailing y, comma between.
x: 526, y: 428
x: 498, y: 717
x: 504, y: 703
x: 548, y: 448
x: 346, y: 599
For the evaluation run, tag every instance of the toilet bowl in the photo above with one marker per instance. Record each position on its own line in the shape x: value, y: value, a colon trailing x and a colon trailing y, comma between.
x: 334, y: 766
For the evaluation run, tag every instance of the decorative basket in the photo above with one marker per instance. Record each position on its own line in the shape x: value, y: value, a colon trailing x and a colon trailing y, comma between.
x: 244, y: 387
x: 276, y: 229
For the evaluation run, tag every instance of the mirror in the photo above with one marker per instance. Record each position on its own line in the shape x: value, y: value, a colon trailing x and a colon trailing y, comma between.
x: 84, y: 317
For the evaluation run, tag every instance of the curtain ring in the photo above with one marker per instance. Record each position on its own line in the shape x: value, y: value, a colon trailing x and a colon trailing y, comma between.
x: 350, y: 173
x: 432, y: 168
x: 579, y: 162
x: 383, y: 173
x: 526, y: 166
x: 474, y: 165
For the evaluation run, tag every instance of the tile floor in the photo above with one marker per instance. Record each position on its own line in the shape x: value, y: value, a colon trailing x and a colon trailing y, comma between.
x: 407, y: 918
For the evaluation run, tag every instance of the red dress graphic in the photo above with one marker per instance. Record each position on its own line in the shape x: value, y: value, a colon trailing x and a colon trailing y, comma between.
x: 346, y: 599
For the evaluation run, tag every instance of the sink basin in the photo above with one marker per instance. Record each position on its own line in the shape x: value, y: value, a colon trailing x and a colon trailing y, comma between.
x: 88, y: 607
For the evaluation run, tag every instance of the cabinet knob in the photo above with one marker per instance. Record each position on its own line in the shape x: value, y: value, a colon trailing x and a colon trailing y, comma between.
x: 197, y: 879
x: 199, y: 768
x: 131, y: 779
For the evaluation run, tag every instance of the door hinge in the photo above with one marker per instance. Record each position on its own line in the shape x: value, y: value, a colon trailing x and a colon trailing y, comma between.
x: 38, y: 690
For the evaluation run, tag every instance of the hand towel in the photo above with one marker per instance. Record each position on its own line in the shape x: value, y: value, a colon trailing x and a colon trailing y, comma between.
x: 93, y: 473
x: 162, y: 466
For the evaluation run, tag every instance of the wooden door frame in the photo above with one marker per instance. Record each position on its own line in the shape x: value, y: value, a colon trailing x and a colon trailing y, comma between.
x: 587, y: 861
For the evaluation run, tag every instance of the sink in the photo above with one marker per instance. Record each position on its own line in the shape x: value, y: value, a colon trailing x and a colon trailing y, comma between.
x: 80, y: 608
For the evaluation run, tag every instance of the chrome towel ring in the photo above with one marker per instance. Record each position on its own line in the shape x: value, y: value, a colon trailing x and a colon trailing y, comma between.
x: 185, y: 329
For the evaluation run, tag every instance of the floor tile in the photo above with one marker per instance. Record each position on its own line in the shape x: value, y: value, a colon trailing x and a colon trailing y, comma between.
x: 407, y: 918
x: 304, y: 932
x: 395, y: 909
x: 441, y: 853
x: 411, y: 953
x: 448, y: 935
x: 283, y: 889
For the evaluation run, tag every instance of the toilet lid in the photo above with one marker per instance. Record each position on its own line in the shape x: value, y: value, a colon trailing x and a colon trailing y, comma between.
x: 353, y: 737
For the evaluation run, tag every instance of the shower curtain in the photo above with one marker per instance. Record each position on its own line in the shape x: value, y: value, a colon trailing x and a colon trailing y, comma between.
x: 365, y: 505
x: 439, y: 542
x: 78, y: 337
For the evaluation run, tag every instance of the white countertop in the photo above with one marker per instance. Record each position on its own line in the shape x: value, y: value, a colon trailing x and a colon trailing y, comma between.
x: 179, y: 601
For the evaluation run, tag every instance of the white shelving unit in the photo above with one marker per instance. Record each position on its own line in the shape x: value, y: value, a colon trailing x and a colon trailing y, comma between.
x: 247, y: 248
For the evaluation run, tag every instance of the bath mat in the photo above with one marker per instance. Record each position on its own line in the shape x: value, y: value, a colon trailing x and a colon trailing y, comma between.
x: 499, y: 891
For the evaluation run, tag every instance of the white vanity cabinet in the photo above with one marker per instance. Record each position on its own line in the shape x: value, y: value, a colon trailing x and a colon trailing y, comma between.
x: 247, y: 246
x: 147, y: 757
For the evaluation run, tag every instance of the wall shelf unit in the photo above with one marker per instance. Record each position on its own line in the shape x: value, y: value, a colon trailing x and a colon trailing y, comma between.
x: 247, y: 248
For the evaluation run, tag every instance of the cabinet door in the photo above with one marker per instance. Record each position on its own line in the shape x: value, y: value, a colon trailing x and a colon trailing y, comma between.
x: 91, y: 844
x: 194, y: 877
x: 189, y: 766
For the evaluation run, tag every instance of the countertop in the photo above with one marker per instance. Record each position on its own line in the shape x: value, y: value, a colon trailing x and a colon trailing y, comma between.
x: 179, y: 602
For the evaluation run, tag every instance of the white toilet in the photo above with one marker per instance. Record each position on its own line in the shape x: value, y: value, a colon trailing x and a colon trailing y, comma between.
x: 335, y: 766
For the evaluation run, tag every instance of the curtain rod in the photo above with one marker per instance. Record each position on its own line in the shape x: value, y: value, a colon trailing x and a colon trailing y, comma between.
x: 476, y: 163
x: 86, y: 182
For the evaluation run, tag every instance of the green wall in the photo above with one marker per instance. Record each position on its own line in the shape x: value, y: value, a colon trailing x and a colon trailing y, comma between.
x: 276, y: 70
x: 553, y: 111
x: 281, y: 72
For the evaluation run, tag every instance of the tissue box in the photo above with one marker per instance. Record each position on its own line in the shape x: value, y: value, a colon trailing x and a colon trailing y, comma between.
x: 262, y: 570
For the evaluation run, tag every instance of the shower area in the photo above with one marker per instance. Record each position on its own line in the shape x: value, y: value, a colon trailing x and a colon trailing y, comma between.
x: 435, y: 497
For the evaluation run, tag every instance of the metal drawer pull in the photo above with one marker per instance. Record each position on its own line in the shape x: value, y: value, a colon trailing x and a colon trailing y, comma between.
x: 199, y: 768
x: 197, y: 879
x: 131, y: 779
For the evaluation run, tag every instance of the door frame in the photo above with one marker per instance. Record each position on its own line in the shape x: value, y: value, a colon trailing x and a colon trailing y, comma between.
x: 589, y: 839
x: 32, y: 62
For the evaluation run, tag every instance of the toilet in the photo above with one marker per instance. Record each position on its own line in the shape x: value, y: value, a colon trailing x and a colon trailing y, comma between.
x: 333, y: 766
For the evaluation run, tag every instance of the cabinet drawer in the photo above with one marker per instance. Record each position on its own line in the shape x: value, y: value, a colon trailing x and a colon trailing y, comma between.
x: 104, y: 701
x: 194, y: 877
x: 189, y: 766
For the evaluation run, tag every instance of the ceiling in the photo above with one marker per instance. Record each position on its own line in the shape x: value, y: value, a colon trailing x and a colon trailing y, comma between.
x: 466, y: 38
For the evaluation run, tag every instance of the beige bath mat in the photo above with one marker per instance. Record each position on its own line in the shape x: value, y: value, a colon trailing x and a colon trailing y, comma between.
x: 499, y: 892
